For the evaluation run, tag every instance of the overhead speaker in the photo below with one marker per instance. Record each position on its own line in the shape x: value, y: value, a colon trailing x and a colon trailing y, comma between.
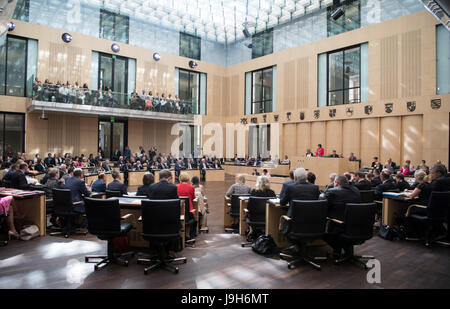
x: 66, y: 37
x: 193, y: 64
x: 337, y: 14
x: 11, y: 26
x: 115, y: 47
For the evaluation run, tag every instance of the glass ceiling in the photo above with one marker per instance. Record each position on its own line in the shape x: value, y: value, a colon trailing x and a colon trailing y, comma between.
x: 216, y: 20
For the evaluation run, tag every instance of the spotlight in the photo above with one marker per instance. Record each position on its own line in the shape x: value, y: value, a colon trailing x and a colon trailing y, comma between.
x: 338, y: 13
x: 66, y: 37
x: 156, y: 56
x: 11, y: 26
x: 115, y: 47
x: 193, y: 64
x: 246, y: 33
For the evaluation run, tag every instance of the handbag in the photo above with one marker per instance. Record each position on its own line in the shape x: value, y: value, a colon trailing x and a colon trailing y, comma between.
x: 29, y: 232
x: 264, y: 244
x: 386, y: 232
x: 121, y: 243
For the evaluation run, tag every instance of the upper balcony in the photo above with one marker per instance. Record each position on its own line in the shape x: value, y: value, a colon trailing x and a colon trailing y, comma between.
x: 72, y: 99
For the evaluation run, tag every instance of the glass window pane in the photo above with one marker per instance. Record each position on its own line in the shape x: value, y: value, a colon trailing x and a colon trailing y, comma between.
x: 349, y: 20
x: 267, y: 107
x: 335, y: 62
x: 2, y: 69
x: 351, y: 68
x: 190, y: 46
x: 118, y: 135
x: 104, y: 137
x: 120, y: 79
x: 107, y: 25
x: 105, y: 73
x: 194, y: 86
x: 121, y: 28
x: 257, y: 86
x: 14, y: 132
x: 335, y: 98
x: 352, y: 96
x: 267, y: 84
x: 184, y: 91
x: 2, y: 139
x: 22, y: 10
x: 16, y: 67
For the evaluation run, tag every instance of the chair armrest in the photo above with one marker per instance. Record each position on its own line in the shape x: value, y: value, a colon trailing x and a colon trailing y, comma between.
x: 226, y: 198
x: 229, y: 204
x: 49, y: 200
x: 76, y: 203
x: 246, y: 210
x: 182, y: 218
x: 411, y: 206
x: 335, y: 220
x: 127, y: 216
x: 140, y: 219
x: 286, y: 218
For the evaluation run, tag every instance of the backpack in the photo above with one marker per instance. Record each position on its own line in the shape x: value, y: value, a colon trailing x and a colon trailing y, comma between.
x: 264, y: 244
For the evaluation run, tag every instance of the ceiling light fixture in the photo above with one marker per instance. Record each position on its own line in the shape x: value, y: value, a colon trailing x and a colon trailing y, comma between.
x: 115, y: 47
x: 11, y: 26
x: 156, y: 56
x: 193, y: 64
x: 338, y: 13
x: 66, y: 37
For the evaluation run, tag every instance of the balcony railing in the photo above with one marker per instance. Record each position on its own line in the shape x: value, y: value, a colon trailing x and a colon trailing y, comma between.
x: 83, y: 96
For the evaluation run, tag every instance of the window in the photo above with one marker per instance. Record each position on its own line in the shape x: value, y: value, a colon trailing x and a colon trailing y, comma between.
x: 262, y: 91
x: 113, y: 74
x: 12, y: 133
x: 190, y: 46
x: 442, y: 60
x: 262, y: 43
x: 114, y: 27
x: 192, y: 90
x: 22, y: 10
x: 344, y: 80
x: 349, y: 20
x: 13, y: 67
x: 259, y: 140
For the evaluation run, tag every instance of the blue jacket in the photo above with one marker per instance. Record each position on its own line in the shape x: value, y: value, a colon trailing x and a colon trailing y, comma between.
x: 98, y: 186
x: 78, y: 188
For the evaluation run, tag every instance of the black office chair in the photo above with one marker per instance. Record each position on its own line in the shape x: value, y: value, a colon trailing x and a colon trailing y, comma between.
x: 256, y: 218
x: 63, y: 208
x: 437, y: 213
x: 6, y: 183
x: 367, y: 196
x: 189, y: 220
x: 3, y: 236
x: 105, y: 223
x: 358, y: 227
x: 110, y: 193
x: 161, y: 226
x: 307, y: 222
x: 235, y: 211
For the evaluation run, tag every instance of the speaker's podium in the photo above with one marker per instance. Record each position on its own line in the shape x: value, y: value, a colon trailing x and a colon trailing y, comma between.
x: 322, y: 167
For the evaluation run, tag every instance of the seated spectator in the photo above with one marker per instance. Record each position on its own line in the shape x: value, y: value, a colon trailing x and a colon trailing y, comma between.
x: 239, y: 187
x: 11, y: 169
x: 19, y: 179
x: 286, y: 160
x: 311, y: 178
x: 287, y: 183
x: 376, y: 178
x: 440, y: 181
x: 265, y: 173
x: 424, y: 167
x: 147, y: 180
x: 6, y: 209
x: 352, y: 157
x: 422, y: 191
x: 185, y: 189
x: 405, y: 170
x: 331, y: 184
x: 99, y: 185
x: 360, y: 181
x: 53, y: 182
x: 387, y: 184
x: 79, y: 189
x: 309, y: 153
x: 341, y: 194
x: 334, y: 154
x: 255, y: 172
x: 262, y: 188
x: 116, y: 184
x: 164, y: 189
x: 402, y: 185
x: 300, y: 190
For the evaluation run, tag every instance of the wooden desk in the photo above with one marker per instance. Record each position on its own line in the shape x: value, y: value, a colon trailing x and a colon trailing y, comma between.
x: 90, y: 178
x: 157, y: 175
x: 242, y: 224
x: 133, y: 206
x: 192, y: 173
x: 38, y: 176
x: 274, y: 211
x: 215, y: 175
x: 393, y: 207
x: 227, y: 219
x: 135, y: 177
x: 279, y: 170
x: 29, y: 210
x: 276, y: 183
x: 322, y: 167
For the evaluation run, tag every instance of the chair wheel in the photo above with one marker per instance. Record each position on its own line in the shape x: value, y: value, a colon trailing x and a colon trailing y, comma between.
x: 66, y: 236
x: 176, y: 270
x: 126, y: 263
x: 290, y: 266
x: 243, y: 246
x: 185, y: 261
x: 95, y: 267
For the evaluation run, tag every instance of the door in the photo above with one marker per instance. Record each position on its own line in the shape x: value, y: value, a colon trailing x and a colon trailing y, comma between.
x: 112, y: 136
x: 113, y: 74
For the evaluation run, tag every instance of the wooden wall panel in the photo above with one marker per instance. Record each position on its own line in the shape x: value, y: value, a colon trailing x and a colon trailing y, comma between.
x: 65, y: 63
x: 289, y: 101
x: 351, y: 137
x: 389, y: 67
x: 411, y: 81
x: 303, y: 138
x: 412, y: 139
x: 88, y: 135
x: 155, y: 77
x: 318, y: 135
x: 390, y: 136
x: 226, y: 92
x: 302, y: 82
x: 72, y: 135
x: 55, y: 133
x: 216, y: 103
x: 234, y: 91
x: 290, y: 139
x: 334, y: 137
x: 369, y: 140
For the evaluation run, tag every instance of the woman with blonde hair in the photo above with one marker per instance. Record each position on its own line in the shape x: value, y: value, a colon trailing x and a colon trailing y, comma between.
x: 262, y: 188
x: 239, y: 187
x: 422, y: 189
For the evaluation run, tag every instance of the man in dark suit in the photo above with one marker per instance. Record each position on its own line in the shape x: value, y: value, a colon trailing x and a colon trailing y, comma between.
x: 337, y: 197
x: 99, y: 185
x: 203, y: 167
x: 19, y: 180
x: 78, y: 188
x: 116, y: 184
x: 216, y: 164
x: 40, y: 167
x: 300, y: 190
x: 49, y: 160
x: 377, y: 179
x: 164, y: 189
x: 189, y: 165
x: 440, y: 180
x: 360, y: 181
x: 287, y: 183
x: 178, y: 168
x: 387, y: 184
x: 106, y: 166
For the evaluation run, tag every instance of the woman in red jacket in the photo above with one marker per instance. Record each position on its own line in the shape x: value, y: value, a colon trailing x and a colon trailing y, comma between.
x: 320, y: 152
x: 184, y: 188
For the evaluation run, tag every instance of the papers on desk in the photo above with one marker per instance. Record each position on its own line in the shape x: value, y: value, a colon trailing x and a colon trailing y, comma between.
x: 274, y: 201
x: 393, y: 194
x: 130, y: 194
x: 243, y: 198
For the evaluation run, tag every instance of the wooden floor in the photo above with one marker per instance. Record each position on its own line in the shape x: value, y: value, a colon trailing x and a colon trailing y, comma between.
x: 217, y: 261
